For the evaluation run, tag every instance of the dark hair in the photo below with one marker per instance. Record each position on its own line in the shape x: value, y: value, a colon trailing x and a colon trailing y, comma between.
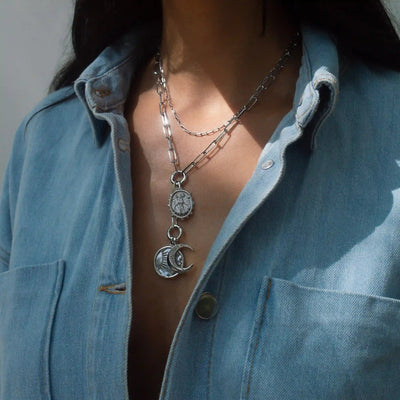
x: 362, y: 28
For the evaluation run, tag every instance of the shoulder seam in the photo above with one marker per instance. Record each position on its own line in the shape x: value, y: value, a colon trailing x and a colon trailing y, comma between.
x: 34, y: 112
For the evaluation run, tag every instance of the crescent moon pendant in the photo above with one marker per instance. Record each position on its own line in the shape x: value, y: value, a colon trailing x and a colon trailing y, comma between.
x: 162, y: 265
x: 176, y: 259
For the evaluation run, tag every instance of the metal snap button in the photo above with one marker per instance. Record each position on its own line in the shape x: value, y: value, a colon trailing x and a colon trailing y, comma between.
x: 102, y: 92
x: 267, y: 164
x: 123, y: 144
x: 207, y: 306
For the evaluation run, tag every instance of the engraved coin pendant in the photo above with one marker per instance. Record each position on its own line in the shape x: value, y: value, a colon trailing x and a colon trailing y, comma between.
x: 180, y: 203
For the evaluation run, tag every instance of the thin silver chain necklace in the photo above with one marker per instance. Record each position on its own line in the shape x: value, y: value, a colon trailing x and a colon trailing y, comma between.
x: 169, y: 260
x: 262, y: 87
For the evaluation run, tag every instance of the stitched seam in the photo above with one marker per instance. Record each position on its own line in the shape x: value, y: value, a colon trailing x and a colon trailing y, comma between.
x: 90, y: 346
x: 306, y: 55
x: 96, y: 77
x: 121, y: 63
x: 129, y: 255
x: 45, y: 107
x: 219, y: 290
x: 339, y: 292
x: 112, y: 106
x: 325, y: 78
x: 315, y: 100
x: 258, y: 338
x: 104, y: 74
x: 46, y: 351
x: 92, y: 80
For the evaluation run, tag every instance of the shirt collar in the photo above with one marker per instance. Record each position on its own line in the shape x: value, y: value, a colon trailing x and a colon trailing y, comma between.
x: 104, y: 85
x: 317, y: 87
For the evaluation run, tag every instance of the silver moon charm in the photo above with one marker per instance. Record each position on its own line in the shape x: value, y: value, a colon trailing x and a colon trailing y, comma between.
x: 169, y: 261
x: 176, y: 260
x: 161, y: 263
x: 180, y: 203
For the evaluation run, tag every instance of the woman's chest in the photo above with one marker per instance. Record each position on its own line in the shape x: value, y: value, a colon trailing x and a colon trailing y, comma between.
x: 158, y: 303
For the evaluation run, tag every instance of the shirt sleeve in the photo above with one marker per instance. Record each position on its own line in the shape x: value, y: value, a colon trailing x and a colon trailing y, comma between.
x: 5, y: 225
x: 9, y: 195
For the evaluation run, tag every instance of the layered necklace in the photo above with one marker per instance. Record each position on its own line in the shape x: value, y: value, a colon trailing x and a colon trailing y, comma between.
x: 169, y: 260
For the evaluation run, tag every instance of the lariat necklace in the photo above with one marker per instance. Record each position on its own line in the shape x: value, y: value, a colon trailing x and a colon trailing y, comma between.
x: 169, y: 260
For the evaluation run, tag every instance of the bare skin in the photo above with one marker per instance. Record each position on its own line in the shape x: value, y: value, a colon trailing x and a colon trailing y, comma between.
x: 214, y: 58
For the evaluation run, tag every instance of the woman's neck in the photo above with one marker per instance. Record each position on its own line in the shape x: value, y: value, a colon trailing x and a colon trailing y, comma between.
x: 214, y: 49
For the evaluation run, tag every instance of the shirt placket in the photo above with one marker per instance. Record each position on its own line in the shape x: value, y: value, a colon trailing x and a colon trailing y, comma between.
x: 110, y: 327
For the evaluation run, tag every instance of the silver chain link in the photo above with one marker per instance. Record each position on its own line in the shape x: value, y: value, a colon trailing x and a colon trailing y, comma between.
x: 162, y: 91
x: 262, y: 87
x: 163, y: 264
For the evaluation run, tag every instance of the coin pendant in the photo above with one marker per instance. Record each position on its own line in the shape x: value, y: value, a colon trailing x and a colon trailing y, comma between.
x: 181, y: 203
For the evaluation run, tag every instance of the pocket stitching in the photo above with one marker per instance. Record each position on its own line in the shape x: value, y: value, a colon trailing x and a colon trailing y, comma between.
x: 50, y: 323
x: 261, y: 322
x: 339, y: 292
x: 44, y: 355
x: 258, y: 338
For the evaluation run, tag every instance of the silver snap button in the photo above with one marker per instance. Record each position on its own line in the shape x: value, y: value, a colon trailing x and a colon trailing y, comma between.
x: 102, y: 92
x: 207, y: 306
x: 123, y: 144
x: 267, y: 164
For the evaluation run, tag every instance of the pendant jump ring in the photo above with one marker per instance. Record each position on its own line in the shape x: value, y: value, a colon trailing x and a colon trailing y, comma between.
x: 175, y: 177
x: 170, y: 232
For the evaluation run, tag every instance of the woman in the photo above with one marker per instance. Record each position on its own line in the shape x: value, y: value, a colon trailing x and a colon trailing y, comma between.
x: 160, y: 240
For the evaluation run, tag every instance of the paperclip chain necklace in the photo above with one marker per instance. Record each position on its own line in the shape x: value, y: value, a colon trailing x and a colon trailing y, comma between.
x: 278, y: 66
x: 169, y: 260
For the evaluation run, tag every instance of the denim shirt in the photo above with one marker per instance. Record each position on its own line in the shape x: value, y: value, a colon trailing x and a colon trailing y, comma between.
x: 304, y: 273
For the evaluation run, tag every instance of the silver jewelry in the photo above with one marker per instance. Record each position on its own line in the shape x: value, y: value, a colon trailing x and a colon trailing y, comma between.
x: 265, y: 83
x: 169, y: 260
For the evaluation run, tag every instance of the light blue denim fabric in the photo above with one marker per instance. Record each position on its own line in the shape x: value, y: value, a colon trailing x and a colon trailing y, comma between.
x: 306, y: 268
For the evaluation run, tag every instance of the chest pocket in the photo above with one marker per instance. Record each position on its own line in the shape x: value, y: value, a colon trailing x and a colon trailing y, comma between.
x: 28, y: 300
x: 310, y: 343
